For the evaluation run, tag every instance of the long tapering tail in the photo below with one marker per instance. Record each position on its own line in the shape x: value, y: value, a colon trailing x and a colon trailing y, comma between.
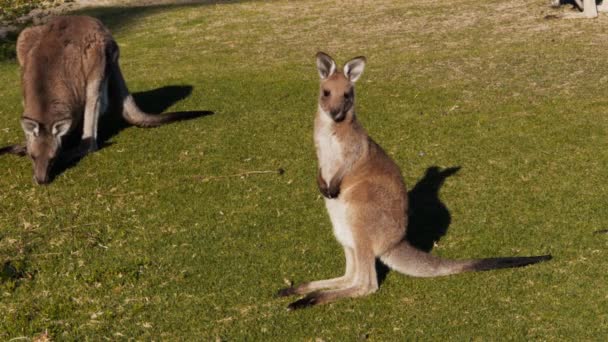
x: 406, y: 259
x: 135, y: 116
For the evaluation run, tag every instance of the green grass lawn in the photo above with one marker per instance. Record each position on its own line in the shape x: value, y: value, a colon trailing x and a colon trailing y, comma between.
x: 154, y: 237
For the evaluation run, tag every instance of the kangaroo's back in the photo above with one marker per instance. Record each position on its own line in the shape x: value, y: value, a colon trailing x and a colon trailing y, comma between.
x: 57, y: 61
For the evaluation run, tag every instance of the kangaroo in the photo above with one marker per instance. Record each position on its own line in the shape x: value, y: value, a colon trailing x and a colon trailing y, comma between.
x: 68, y: 67
x: 589, y: 8
x: 366, y: 199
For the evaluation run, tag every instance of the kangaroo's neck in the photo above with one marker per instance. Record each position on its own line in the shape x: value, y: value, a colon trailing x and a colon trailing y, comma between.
x: 339, y: 145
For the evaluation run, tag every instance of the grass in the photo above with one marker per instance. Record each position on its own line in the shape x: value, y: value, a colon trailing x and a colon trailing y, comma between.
x: 139, y: 240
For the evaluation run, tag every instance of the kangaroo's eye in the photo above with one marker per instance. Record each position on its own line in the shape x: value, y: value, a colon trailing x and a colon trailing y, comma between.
x: 347, y: 96
x: 326, y: 92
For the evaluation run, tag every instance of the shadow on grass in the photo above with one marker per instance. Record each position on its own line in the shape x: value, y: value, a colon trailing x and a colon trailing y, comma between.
x: 152, y: 102
x: 114, y: 17
x: 14, y: 271
x: 429, y: 217
x: 118, y: 17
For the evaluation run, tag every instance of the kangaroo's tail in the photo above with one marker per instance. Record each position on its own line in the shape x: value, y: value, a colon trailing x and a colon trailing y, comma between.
x: 404, y: 258
x: 135, y: 116
x: 19, y: 150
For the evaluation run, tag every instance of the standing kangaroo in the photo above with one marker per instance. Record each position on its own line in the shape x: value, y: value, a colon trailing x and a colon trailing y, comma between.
x: 366, y: 200
x: 68, y: 67
x: 589, y: 8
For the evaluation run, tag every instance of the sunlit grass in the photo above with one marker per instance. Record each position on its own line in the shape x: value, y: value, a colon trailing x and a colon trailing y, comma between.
x: 154, y: 237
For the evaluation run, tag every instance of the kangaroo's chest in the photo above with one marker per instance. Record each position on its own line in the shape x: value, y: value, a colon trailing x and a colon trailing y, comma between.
x: 329, y: 152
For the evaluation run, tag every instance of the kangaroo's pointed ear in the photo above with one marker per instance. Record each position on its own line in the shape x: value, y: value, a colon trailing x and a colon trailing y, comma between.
x: 30, y: 127
x: 325, y: 65
x: 61, y: 128
x: 354, y: 68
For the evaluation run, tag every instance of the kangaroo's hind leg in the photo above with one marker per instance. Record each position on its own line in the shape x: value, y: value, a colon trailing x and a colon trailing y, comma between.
x: 365, y: 281
x: 338, y: 282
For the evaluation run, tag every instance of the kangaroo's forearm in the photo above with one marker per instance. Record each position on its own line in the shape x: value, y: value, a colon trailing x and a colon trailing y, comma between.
x: 323, y: 188
x: 334, y: 186
x: 331, y: 190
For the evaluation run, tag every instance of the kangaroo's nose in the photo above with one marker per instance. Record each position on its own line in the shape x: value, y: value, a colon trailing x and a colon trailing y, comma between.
x: 338, y: 114
x: 41, y: 180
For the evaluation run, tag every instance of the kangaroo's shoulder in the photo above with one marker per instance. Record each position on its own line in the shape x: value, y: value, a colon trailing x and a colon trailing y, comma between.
x: 28, y: 38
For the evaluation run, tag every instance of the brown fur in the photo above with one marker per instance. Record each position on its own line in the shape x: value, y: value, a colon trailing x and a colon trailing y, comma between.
x: 67, y: 68
x: 366, y: 199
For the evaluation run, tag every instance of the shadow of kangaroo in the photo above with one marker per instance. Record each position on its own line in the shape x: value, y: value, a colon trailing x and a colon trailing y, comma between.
x: 429, y: 218
x: 367, y: 200
x: 150, y: 101
x: 70, y: 75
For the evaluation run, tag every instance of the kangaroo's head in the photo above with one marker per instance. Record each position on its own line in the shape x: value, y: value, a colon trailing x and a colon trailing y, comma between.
x: 43, y: 144
x: 337, y: 90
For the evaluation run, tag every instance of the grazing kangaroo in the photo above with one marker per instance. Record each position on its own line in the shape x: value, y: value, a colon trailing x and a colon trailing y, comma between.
x: 366, y: 200
x: 68, y: 67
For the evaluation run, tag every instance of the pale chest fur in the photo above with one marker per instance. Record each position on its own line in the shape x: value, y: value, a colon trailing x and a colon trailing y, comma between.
x: 330, y: 155
x: 338, y: 214
x: 330, y: 152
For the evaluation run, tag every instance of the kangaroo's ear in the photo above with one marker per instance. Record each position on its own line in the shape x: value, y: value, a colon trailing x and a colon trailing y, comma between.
x: 30, y: 127
x: 62, y: 127
x: 325, y: 65
x: 354, y: 68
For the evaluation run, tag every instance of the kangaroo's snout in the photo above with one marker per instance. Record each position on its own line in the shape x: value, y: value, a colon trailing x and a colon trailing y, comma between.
x: 42, y: 181
x: 43, y: 145
x: 336, y: 97
x: 337, y: 114
x: 42, y: 170
x: 43, y: 151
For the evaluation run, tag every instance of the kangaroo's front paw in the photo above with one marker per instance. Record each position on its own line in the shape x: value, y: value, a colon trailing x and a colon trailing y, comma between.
x: 325, y: 192
x: 87, y: 145
x: 92, y: 146
x: 323, y: 188
x: 333, y: 192
x: 334, y: 188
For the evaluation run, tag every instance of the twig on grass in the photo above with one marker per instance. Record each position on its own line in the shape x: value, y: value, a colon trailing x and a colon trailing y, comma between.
x: 20, y: 338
